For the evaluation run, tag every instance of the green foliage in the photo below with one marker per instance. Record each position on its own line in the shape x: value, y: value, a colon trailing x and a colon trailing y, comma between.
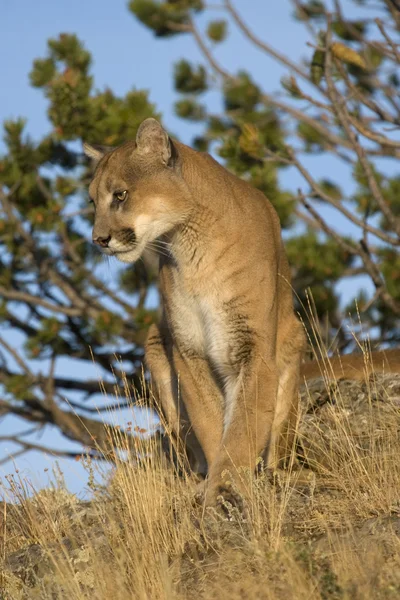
x: 117, y: 119
x: 324, y: 300
x: 307, y: 253
x: 313, y: 139
x: 188, y: 79
x: 164, y: 18
x: 217, y: 31
x: 107, y: 326
x: 264, y: 177
x: 201, y: 144
x: 46, y: 339
x: 390, y: 268
x: 75, y: 111
x: 43, y: 71
x: 349, y: 30
x: 144, y: 318
x: 330, y: 188
x: 313, y: 9
x: 241, y: 93
x: 374, y: 57
x: 317, y: 66
x: 135, y: 276
x: 290, y: 85
x: 189, y: 109
x: 18, y: 386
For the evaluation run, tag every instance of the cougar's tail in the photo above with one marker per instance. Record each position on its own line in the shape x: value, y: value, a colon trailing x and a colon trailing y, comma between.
x: 353, y: 366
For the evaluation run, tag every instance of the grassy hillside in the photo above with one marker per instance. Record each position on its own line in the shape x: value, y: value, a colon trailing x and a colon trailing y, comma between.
x: 329, y: 527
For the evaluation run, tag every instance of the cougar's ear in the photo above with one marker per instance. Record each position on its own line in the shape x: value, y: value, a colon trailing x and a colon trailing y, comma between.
x: 96, y: 152
x: 152, y: 140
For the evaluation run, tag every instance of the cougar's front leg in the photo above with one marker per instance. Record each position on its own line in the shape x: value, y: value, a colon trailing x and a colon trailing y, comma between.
x: 203, y: 400
x: 250, y: 405
x: 166, y: 393
x: 190, y: 399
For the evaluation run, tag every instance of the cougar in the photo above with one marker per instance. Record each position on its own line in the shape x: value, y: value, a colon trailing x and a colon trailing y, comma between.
x: 225, y: 358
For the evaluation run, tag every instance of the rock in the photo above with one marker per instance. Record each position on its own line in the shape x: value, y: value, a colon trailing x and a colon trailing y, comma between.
x: 363, y: 412
x: 380, y: 533
x: 30, y: 564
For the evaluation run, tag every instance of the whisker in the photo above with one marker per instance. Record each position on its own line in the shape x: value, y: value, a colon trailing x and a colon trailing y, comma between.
x: 161, y: 244
x: 160, y: 252
x: 155, y: 245
x: 164, y: 251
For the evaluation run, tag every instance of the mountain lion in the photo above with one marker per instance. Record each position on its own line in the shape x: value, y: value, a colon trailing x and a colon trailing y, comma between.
x: 225, y: 358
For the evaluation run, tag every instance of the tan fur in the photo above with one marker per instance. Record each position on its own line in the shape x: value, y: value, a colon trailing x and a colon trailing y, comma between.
x: 225, y: 358
x: 353, y: 366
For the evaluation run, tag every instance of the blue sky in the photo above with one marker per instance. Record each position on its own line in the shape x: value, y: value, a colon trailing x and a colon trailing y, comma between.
x: 126, y: 55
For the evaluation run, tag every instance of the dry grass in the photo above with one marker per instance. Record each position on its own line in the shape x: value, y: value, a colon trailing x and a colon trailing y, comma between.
x: 329, y: 531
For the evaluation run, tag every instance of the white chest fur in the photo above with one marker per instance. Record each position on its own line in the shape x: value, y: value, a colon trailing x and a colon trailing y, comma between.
x: 201, y: 325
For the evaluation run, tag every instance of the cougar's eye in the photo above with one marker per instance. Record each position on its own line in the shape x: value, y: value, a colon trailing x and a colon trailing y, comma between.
x: 120, y: 196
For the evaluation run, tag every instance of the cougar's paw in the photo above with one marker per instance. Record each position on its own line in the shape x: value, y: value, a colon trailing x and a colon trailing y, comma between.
x: 199, y: 493
x: 228, y: 500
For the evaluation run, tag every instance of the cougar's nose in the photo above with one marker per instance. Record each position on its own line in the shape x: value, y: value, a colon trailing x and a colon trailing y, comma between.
x: 102, y: 241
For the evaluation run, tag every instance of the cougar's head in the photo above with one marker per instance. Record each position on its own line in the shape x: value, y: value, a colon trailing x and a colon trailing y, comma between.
x: 138, y: 192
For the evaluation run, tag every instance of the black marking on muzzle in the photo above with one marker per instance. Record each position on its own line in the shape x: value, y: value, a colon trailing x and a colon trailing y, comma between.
x: 126, y: 236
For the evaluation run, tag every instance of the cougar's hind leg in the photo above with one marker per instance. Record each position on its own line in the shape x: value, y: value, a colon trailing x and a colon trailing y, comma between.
x: 287, y: 402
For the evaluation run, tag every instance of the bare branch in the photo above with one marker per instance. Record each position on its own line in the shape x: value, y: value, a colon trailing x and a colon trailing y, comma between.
x: 340, y: 108
x: 339, y: 206
x: 31, y: 300
x: 389, y: 41
x: 372, y: 135
x: 325, y: 227
x: 268, y: 99
x: 29, y: 446
x: 394, y: 8
x: 100, y: 436
x: 263, y: 45
x: 378, y: 280
x: 16, y: 356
